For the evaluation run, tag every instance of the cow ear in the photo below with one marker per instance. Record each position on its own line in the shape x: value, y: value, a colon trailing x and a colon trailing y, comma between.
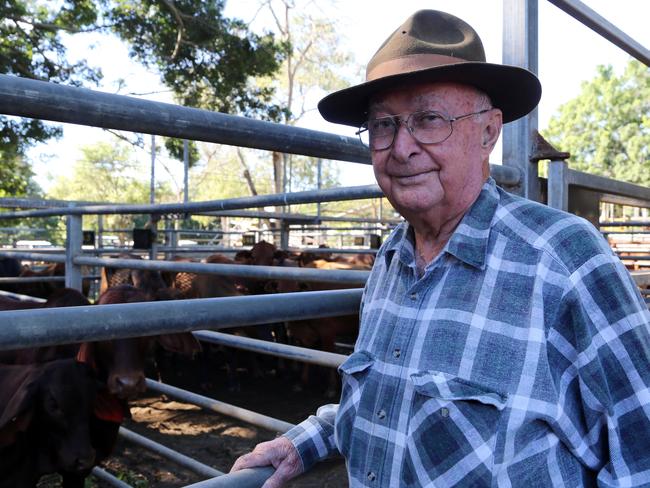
x: 184, y: 343
x: 18, y: 396
x: 18, y: 423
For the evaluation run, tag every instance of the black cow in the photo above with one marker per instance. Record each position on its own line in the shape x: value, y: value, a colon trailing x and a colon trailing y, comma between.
x: 45, y: 412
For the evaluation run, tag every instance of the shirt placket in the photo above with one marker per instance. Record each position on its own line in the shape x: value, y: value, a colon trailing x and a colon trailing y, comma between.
x: 389, y: 398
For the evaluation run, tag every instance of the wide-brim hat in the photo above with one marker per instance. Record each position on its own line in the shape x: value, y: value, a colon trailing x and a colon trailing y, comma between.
x: 434, y: 46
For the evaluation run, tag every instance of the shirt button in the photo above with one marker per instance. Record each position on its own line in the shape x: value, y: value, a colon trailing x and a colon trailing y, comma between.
x: 444, y: 412
x: 381, y: 414
x: 371, y: 476
x: 414, y: 296
x: 397, y: 353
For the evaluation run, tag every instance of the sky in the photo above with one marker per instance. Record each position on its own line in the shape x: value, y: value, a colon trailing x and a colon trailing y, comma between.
x: 568, y: 55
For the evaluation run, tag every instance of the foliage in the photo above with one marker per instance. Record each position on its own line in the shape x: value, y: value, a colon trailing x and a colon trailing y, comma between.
x: 606, y: 128
x: 16, y: 176
x: 109, y: 173
x: 207, y: 60
x: 31, y: 47
x: 313, y: 62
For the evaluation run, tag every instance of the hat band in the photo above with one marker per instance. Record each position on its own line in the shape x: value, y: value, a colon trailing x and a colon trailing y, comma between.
x: 411, y: 62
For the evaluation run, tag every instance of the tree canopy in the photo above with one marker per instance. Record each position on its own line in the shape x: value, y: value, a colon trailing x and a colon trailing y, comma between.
x: 207, y: 60
x: 109, y: 173
x: 606, y: 128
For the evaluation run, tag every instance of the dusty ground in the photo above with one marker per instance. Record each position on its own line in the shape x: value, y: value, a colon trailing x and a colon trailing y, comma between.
x: 211, y: 438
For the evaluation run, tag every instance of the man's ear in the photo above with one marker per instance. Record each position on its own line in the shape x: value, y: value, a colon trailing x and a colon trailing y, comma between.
x: 492, y: 129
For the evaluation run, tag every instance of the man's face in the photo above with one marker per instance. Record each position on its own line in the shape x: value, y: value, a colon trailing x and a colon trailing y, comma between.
x: 435, y: 179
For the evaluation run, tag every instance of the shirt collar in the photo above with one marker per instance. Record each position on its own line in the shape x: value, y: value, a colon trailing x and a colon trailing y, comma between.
x: 468, y: 243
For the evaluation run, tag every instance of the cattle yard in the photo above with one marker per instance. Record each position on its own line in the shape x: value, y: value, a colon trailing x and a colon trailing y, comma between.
x: 204, y: 318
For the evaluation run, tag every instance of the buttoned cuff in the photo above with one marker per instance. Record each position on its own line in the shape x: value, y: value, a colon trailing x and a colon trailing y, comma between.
x: 313, y: 439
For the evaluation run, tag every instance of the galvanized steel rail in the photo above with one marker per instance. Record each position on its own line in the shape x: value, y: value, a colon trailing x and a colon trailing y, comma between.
x: 213, y: 405
x: 46, y: 327
x: 48, y: 101
x: 312, y: 356
x: 164, y: 451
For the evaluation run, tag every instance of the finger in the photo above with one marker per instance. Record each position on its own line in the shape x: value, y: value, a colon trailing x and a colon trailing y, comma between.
x: 284, y: 472
x: 252, y: 460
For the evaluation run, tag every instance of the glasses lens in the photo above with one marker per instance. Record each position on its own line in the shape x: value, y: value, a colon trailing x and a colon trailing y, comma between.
x: 430, y: 127
x: 380, y: 132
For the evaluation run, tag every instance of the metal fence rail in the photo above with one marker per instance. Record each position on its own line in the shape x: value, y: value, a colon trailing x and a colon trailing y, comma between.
x: 254, y: 418
x: 46, y: 327
x: 48, y: 101
x: 246, y: 478
x: 167, y: 453
x: 312, y: 356
x: 351, y: 277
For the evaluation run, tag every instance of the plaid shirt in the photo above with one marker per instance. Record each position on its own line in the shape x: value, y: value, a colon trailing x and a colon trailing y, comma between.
x: 521, y: 358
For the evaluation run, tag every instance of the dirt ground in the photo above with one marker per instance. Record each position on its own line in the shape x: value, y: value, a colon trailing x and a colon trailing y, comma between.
x: 210, y: 438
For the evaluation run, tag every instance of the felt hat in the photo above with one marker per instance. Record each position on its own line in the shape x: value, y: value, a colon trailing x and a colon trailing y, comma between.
x: 433, y: 46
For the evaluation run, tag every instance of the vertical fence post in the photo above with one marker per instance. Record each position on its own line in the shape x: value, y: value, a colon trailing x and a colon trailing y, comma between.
x: 73, y: 242
x: 153, y: 221
x: 186, y: 171
x: 558, y: 172
x: 558, y: 184
x: 152, y: 183
x: 520, y: 48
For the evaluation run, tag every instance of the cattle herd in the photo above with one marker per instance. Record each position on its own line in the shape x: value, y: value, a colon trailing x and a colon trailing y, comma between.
x: 61, y: 406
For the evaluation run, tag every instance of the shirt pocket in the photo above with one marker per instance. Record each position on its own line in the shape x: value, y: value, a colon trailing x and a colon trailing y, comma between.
x: 354, y: 374
x: 452, y: 430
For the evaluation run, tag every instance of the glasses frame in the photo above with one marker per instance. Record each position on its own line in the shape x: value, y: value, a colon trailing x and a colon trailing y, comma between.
x: 399, y: 120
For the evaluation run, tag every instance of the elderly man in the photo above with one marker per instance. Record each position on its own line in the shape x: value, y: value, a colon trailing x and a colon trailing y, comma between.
x: 501, y: 341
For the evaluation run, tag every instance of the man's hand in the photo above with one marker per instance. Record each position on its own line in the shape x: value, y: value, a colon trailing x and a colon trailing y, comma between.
x: 280, y: 453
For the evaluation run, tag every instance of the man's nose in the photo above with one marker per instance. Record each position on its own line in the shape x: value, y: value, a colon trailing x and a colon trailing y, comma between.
x: 404, y: 143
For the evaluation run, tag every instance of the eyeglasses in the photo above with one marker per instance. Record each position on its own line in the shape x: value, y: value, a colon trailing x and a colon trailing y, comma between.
x: 427, y: 127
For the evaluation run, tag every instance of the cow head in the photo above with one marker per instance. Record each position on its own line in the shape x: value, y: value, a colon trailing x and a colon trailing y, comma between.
x: 121, y: 362
x: 65, y: 406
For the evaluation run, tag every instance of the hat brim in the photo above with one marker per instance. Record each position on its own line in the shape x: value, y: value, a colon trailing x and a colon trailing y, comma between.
x: 516, y: 91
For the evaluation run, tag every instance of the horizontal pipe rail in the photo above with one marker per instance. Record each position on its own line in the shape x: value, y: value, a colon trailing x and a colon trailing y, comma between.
x: 48, y: 101
x: 253, y: 418
x: 34, y: 256
x: 631, y: 223
x: 310, y: 196
x: 107, y: 477
x: 164, y: 451
x: 609, y: 186
x: 22, y: 298
x: 632, y: 257
x: 604, y: 28
x: 352, y: 277
x: 46, y: 327
x: 204, y: 249
x: 246, y: 478
x: 40, y: 279
x: 12, y: 202
x: 295, y: 353
x: 505, y: 174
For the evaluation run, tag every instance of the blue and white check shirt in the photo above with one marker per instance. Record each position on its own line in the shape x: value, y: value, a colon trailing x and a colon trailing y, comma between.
x: 520, y: 358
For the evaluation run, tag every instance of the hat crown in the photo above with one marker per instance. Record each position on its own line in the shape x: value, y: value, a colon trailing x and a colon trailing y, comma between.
x: 430, y: 32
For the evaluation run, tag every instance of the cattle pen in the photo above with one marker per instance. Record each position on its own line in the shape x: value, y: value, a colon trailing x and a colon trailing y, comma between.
x: 565, y: 189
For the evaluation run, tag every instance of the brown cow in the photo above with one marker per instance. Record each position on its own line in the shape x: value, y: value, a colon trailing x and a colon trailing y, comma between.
x: 44, y: 289
x: 45, y: 412
x: 119, y: 366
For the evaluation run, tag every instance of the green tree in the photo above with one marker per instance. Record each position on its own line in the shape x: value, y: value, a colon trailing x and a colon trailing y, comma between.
x: 109, y: 173
x: 606, y: 128
x: 313, y: 62
x: 31, y: 47
x: 207, y: 60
